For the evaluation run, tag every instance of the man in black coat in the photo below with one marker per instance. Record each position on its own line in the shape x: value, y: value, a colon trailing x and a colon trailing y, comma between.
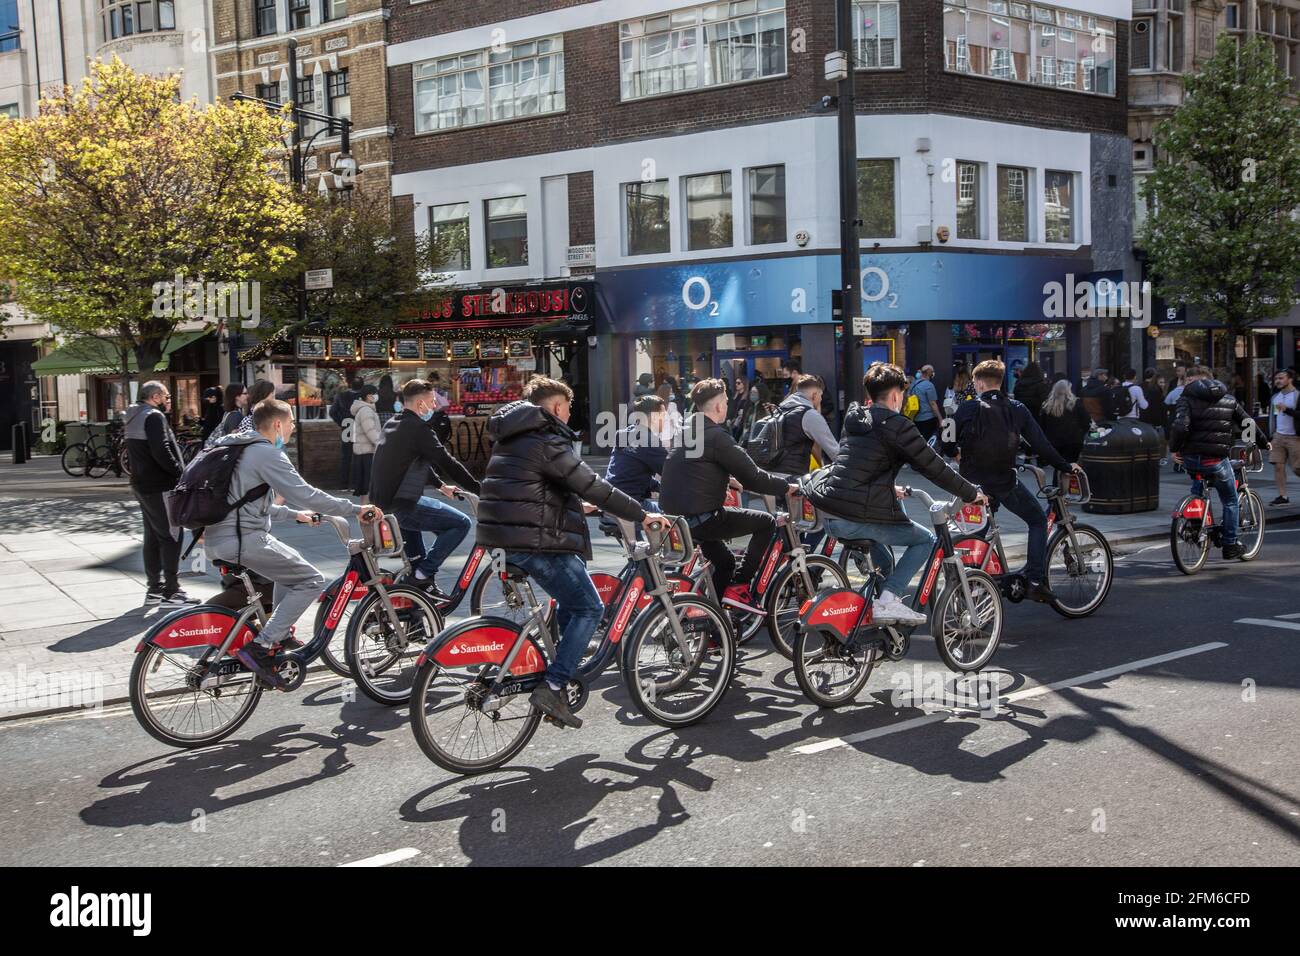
x: 156, y: 465
x: 1208, y: 420
x: 859, y: 497
x: 637, y: 459
x: 532, y: 508
x: 695, y: 480
x: 408, y: 454
x: 340, y: 412
x: 989, y: 432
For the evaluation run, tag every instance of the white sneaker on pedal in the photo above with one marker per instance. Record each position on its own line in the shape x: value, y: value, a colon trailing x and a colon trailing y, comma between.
x: 903, y: 614
x: 883, y: 612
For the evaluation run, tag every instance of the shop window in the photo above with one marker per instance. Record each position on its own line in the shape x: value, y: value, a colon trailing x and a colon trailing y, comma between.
x: 876, y: 202
x: 646, y: 217
x: 489, y: 86
x: 265, y: 17
x: 507, y: 232
x: 968, y: 201
x: 708, y: 211
x: 299, y: 14
x: 1058, y: 206
x: 766, y: 204
x: 875, y: 35
x: 703, y: 46
x: 1013, y: 204
x: 333, y: 10
x: 450, y: 227
x: 338, y: 96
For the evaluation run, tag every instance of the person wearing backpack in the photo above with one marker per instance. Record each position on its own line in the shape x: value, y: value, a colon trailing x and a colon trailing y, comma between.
x: 261, y: 471
x: 156, y: 464
x: 989, y: 431
x: 927, y: 411
x: 798, y: 430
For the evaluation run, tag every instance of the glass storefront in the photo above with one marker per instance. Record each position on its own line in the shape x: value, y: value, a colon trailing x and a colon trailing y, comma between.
x: 1015, y: 344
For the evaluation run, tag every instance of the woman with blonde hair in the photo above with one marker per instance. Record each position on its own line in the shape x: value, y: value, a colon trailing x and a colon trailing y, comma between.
x: 1065, y: 421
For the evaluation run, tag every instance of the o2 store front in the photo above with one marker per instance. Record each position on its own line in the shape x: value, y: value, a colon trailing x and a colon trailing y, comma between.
x: 747, y: 317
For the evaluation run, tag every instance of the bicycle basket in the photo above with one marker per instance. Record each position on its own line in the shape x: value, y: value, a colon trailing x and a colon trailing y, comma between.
x: 969, y: 519
x: 1076, y: 489
x: 677, y: 547
x: 383, y: 537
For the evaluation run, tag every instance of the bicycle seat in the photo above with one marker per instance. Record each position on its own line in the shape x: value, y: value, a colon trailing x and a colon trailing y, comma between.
x: 858, y: 544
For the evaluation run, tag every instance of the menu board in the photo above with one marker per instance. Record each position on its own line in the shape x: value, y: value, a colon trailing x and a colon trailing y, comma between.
x: 406, y: 350
x: 463, y: 350
x: 492, y: 350
x: 519, y: 348
x: 374, y: 348
x: 435, y: 350
x: 342, y: 348
x: 311, y: 346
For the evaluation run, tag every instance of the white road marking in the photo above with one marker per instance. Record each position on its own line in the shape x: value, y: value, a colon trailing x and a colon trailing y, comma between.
x: 383, y: 859
x: 1025, y: 694
x: 1289, y: 617
x: 1265, y: 622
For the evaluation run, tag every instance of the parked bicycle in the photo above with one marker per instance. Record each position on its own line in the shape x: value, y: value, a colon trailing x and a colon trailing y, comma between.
x: 188, y: 689
x: 470, y: 711
x: 838, y: 644
x: 98, y: 455
x: 1193, y: 530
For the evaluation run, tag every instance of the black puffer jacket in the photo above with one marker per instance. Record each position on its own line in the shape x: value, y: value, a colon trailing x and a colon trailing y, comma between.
x: 695, y: 475
x: 1208, y: 420
x: 1032, y: 389
x: 859, y: 484
x: 535, y: 486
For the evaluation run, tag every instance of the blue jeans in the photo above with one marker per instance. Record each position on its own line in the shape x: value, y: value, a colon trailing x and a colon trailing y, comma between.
x: 917, y: 539
x: 429, y: 514
x: 1225, y: 483
x: 578, y: 608
x: 1021, y: 502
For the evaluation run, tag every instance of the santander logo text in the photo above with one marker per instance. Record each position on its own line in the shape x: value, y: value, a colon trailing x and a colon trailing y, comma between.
x: 476, y: 648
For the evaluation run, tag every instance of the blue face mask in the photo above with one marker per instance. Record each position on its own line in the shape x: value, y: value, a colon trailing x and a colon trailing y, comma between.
x: 279, y: 441
x: 426, y: 415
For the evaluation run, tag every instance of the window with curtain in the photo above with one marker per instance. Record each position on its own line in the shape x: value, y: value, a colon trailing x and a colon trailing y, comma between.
x: 485, y: 86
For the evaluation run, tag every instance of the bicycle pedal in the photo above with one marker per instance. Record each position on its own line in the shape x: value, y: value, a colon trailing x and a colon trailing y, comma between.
x: 557, y: 723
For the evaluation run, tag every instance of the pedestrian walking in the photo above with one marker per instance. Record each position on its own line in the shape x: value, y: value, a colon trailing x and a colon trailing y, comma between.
x: 1098, y: 396
x: 388, y: 403
x: 671, y: 420
x: 1133, y: 396
x: 1031, y: 389
x: 1153, y: 392
x: 366, y: 433
x: 1285, y: 448
x: 340, y: 412
x: 156, y: 465
x: 213, y: 411
x: 645, y: 385
x: 1065, y: 421
x: 258, y: 392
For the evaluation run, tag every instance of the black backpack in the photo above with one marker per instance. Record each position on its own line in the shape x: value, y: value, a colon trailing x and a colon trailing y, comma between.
x: 1121, y: 401
x: 201, y: 496
x: 766, y: 438
x: 993, y: 441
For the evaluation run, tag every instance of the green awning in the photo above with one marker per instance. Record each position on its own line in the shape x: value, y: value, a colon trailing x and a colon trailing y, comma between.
x: 97, y: 357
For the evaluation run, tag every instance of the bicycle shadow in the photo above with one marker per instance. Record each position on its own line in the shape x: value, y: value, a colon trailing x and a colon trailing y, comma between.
x: 172, y: 789
x: 504, y: 819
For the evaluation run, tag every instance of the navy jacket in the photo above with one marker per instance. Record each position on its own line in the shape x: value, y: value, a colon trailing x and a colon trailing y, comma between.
x: 636, y: 462
x: 1025, y: 425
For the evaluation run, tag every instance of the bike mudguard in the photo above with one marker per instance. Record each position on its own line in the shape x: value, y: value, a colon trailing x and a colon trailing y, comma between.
x: 606, y: 586
x: 205, y: 624
x: 1192, y: 509
x: 483, y: 640
x: 972, y: 552
x: 835, y: 613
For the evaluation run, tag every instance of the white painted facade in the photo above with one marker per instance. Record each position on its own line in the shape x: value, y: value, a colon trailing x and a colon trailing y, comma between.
x: 807, y: 148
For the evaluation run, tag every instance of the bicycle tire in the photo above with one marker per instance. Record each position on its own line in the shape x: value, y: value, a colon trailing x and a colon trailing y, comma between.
x: 717, y: 636
x: 1178, y: 530
x: 1058, y: 605
x: 806, y: 654
x: 392, y: 691
x: 1251, y: 501
x: 980, y: 582
x: 827, y: 571
x: 73, y: 460
x: 141, y: 707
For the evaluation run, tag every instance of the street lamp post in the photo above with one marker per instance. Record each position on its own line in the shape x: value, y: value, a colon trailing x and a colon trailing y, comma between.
x: 839, y: 68
x: 345, y: 173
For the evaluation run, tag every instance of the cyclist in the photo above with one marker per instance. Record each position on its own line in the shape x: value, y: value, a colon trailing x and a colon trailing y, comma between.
x: 989, y: 432
x: 156, y: 464
x: 637, y: 459
x: 804, y: 429
x: 408, y: 450
x: 532, y: 508
x: 244, y: 536
x: 859, y: 497
x: 695, y: 480
x: 1207, y: 422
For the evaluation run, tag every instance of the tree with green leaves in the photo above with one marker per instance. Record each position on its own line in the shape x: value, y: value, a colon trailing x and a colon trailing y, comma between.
x: 1223, y: 233
x: 117, y: 190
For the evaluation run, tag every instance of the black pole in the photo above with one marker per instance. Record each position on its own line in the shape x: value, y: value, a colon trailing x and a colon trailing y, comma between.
x: 19, y: 432
x: 850, y: 259
x: 298, y: 177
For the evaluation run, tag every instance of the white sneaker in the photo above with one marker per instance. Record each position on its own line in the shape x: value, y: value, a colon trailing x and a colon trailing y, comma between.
x: 882, y: 612
x: 903, y: 614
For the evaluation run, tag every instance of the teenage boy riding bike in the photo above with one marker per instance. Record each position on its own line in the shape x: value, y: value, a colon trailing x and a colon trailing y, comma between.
x: 531, y: 507
x: 695, y: 482
x: 637, y: 459
x: 858, y: 496
x: 989, y: 432
x: 244, y: 536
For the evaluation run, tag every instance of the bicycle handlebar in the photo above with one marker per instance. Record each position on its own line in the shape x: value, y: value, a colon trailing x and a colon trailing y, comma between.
x: 471, y: 499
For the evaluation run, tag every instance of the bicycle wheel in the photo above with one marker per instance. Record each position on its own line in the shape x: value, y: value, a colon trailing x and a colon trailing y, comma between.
x: 74, y: 459
x: 487, y: 598
x: 831, y: 673
x: 1188, y: 541
x: 1250, y: 528
x: 856, y: 565
x: 381, y: 661
x: 1080, y: 578
x: 789, y: 594
x: 98, y: 461
x: 172, y: 709
x: 672, y: 685
x: 124, y: 460
x: 967, y: 637
x: 450, y: 727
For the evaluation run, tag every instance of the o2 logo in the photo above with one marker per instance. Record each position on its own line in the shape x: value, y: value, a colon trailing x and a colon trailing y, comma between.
x: 876, y: 288
x: 697, y: 294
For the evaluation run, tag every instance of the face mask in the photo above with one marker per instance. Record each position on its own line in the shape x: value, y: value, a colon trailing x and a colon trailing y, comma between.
x: 279, y: 441
x: 426, y: 415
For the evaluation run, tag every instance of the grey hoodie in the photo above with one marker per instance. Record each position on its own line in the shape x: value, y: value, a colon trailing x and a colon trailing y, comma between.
x: 263, y: 463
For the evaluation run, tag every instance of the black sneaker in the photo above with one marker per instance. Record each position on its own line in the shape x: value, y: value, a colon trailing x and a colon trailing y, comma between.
x: 289, y: 644
x: 152, y: 597
x: 260, y: 660
x: 1231, y: 551
x: 553, y: 705
x: 1280, y: 500
x: 179, y: 598
x: 1039, y: 591
x: 428, y: 585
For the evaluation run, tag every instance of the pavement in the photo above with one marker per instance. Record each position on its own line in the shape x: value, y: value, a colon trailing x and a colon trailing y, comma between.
x: 72, y: 581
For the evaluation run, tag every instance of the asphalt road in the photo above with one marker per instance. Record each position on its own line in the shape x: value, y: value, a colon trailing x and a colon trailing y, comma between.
x: 1160, y: 731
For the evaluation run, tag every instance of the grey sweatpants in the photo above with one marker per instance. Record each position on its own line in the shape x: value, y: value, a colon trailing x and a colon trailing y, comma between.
x: 297, y: 583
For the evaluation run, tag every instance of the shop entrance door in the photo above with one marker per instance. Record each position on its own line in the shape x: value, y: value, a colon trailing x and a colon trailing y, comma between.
x: 972, y: 355
x: 766, y: 362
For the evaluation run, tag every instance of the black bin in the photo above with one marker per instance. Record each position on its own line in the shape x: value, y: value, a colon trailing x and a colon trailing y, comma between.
x: 1122, y: 459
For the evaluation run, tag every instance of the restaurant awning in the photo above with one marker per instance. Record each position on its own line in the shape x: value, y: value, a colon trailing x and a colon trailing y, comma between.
x: 97, y: 357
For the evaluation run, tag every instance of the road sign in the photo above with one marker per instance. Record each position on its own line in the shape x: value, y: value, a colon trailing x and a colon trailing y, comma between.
x: 861, y: 326
x: 318, y: 279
